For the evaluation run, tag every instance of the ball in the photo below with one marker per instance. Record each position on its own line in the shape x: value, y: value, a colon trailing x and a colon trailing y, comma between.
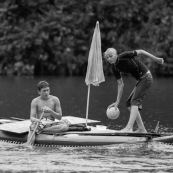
x: 113, y: 113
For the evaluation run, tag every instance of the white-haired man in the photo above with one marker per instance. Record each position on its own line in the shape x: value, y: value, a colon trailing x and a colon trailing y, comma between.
x: 127, y: 62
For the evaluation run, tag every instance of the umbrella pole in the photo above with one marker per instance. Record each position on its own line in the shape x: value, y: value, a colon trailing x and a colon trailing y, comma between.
x: 88, y: 97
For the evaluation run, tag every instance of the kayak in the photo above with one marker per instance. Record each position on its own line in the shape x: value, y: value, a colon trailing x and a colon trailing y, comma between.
x: 90, y: 138
x: 95, y: 137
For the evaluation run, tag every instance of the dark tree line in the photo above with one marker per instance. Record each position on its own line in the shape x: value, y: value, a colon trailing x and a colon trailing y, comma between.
x: 53, y: 37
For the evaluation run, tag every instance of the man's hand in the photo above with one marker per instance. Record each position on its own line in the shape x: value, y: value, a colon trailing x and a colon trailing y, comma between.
x: 160, y: 60
x: 36, y: 120
x: 113, y: 105
x: 46, y: 109
x: 66, y: 121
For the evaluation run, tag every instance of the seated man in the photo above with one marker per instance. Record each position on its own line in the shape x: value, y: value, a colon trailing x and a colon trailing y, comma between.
x: 47, y: 106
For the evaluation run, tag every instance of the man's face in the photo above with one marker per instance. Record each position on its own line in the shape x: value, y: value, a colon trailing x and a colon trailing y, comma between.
x: 44, y: 92
x: 111, y: 56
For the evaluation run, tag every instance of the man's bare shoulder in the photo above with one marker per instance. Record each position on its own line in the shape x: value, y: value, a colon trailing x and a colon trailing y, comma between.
x: 54, y: 98
x: 36, y: 100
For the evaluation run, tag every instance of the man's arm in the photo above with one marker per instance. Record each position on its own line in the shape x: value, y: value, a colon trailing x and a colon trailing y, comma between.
x: 119, y: 93
x: 57, y: 112
x: 143, y: 52
x: 33, y: 111
x: 120, y: 90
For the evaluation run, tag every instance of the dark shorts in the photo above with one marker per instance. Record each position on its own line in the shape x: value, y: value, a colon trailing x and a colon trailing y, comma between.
x: 139, y: 92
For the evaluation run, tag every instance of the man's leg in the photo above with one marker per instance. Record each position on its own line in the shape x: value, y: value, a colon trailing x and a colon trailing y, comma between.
x: 60, y: 127
x: 134, y: 112
x: 133, y: 116
x: 141, y: 127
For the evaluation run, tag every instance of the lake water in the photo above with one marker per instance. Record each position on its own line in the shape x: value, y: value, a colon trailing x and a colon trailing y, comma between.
x: 16, y: 96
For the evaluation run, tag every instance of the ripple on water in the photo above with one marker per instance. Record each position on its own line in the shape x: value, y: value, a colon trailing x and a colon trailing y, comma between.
x: 151, y: 157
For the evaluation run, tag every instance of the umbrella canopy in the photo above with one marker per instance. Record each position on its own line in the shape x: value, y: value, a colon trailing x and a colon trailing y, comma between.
x: 95, y: 73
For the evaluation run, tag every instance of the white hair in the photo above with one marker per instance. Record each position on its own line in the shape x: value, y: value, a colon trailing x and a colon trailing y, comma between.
x: 110, y: 50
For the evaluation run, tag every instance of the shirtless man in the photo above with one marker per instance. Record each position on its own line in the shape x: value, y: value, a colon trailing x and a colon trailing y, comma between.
x: 52, y: 110
x: 127, y: 62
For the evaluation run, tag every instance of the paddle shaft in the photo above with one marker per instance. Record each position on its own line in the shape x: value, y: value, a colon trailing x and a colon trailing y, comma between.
x: 14, y: 118
x: 18, y: 119
x: 28, y: 142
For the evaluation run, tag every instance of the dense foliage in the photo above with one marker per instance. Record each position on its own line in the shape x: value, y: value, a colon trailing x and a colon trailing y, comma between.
x: 53, y: 37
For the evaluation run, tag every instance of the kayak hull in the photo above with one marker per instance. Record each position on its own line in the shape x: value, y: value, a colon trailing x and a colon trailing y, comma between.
x: 72, y: 139
x: 89, y: 140
x: 164, y: 139
x: 8, y: 136
x: 82, y: 139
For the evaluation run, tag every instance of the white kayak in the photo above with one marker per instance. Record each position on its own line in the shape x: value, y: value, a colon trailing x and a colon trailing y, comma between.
x: 98, y: 135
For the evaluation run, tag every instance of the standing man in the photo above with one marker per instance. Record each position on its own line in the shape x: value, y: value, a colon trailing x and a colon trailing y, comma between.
x: 52, y: 110
x: 127, y: 62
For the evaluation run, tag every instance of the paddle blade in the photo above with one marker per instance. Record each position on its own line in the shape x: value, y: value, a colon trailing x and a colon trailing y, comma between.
x: 156, y: 128
x: 95, y: 73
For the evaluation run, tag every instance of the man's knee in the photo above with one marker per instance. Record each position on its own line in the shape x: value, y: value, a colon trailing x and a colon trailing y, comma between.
x: 32, y: 126
x: 134, y: 107
x: 64, y: 126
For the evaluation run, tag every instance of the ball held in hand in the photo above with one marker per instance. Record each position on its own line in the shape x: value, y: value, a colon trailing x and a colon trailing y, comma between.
x: 113, y: 113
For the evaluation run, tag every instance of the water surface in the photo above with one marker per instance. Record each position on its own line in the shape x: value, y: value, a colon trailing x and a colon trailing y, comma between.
x: 16, y: 96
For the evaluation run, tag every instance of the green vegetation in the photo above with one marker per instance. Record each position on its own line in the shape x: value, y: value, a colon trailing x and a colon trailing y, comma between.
x: 53, y: 37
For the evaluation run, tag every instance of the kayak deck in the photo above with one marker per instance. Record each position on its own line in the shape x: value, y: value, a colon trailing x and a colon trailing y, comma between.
x: 98, y: 135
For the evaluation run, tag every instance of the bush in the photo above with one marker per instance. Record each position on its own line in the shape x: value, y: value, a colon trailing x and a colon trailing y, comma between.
x: 53, y: 37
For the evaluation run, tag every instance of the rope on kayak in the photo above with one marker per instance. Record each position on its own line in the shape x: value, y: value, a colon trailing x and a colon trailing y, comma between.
x: 43, y: 145
x: 14, y: 142
x: 71, y: 146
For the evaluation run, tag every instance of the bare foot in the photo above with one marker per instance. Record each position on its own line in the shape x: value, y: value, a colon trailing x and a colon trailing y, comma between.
x: 126, y: 130
x: 140, y: 131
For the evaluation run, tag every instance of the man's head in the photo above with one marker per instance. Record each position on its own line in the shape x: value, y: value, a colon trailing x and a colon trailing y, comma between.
x: 111, y: 55
x: 43, y: 89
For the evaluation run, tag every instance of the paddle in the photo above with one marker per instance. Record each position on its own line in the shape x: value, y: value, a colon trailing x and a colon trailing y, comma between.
x: 13, y: 118
x: 9, y: 120
x: 156, y: 128
x: 29, y: 140
x: 18, y: 119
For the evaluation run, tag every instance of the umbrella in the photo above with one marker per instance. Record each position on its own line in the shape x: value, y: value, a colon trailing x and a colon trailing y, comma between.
x: 94, y: 73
